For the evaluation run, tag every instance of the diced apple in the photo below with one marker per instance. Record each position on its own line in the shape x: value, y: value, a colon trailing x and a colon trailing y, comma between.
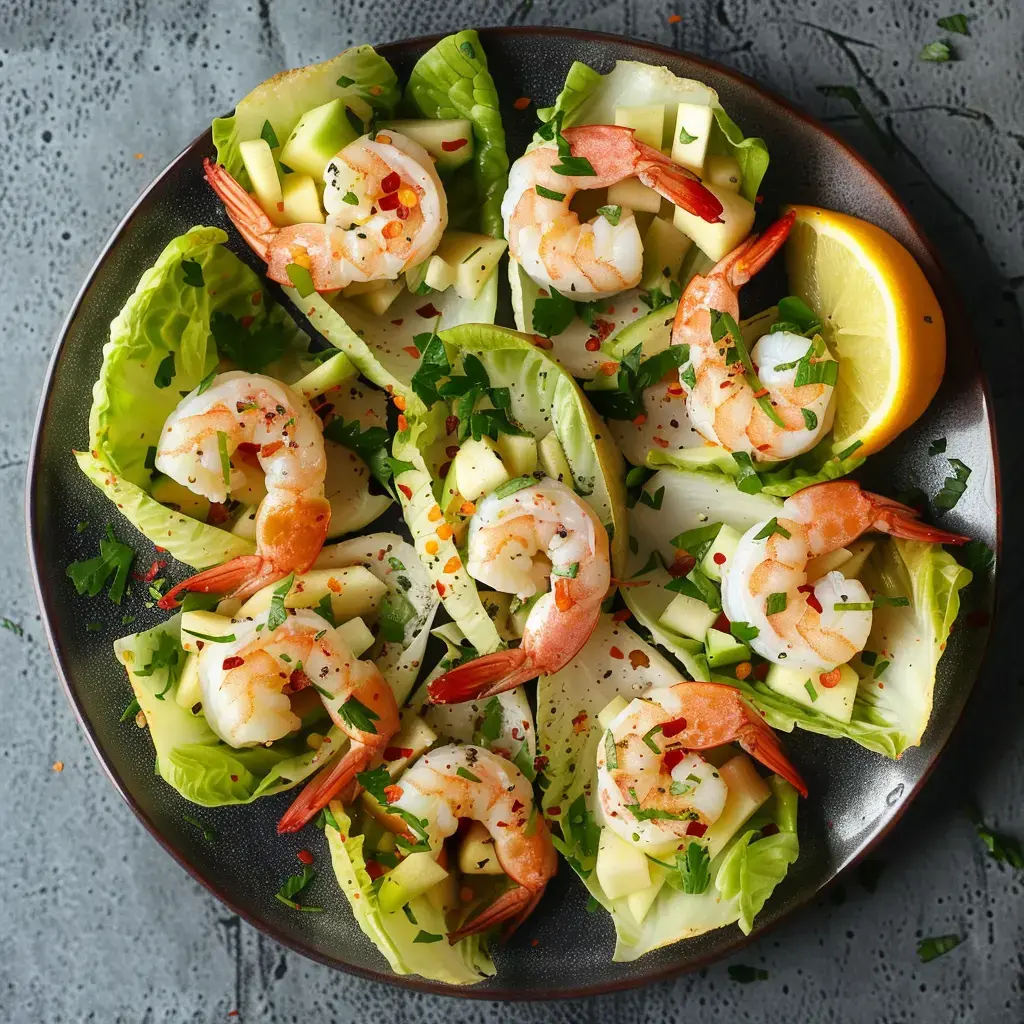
x: 821, y: 564
x: 434, y: 272
x: 633, y: 194
x: 262, y: 170
x: 860, y: 552
x: 553, y: 460
x: 693, y: 124
x: 747, y: 792
x: 724, y: 546
x: 301, y: 200
x: 479, y: 468
x: 640, y: 902
x: 245, y: 524
x: 621, y: 868
x: 187, y: 694
x: 169, y: 492
x: 320, y: 135
x: 473, y: 257
x: 611, y: 711
x: 356, y: 636
x: 411, y: 877
x: 476, y: 852
x: 519, y: 453
x: 353, y: 591
x: 648, y: 123
x: 805, y: 688
x: 448, y: 141
x: 379, y: 300
x: 206, y: 624
x: 664, y: 248
x: 715, y: 240
x: 688, y: 617
x: 723, y: 171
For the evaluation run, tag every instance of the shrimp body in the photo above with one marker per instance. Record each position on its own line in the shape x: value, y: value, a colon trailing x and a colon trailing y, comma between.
x: 270, y: 422
x: 721, y: 404
x: 516, y: 544
x: 462, y: 781
x: 386, y: 210
x: 587, y: 261
x: 805, y: 629
x: 653, y: 789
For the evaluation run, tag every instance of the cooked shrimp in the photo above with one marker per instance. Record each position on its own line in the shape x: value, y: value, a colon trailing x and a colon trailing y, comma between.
x: 386, y: 209
x: 650, y: 765
x: 722, y: 405
x: 462, y: 781
x: 805, y: 626
x: 266, y: 419
x: 515, y: 544
x: 587, y: 261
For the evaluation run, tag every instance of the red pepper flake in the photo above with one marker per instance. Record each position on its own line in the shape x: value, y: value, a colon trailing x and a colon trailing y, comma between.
x: 722, y: 623
x: 428, y: 311
x: 298, y: 680
x: 406, y: 490
x: 696, y: 828
x: 256, y: 298
x: 540, y: 762
x: 334, y: 585
x: 579, y: 723
x: 374, y: 869
x: 397, y: 753
x: 761, y: 671
x: 248, y: 448
x: 398, y: 323
x: 609, y: 368
x: 542, y: 343
x: 151, y: 572
x: 758, y: 199
x: 305, y: 856
x: 743, y: 670
x: 233, y: 662
x: 451, y: 146
x: 412, y: 351
x: 660, y: 442
x: 718, y: 558
x: 393, y: 793
x: 675, y: 390
x: 725, y: 384
x: 812, y: 601
x: 621, y: 615
x: 616, y: 653
x: 637, y: 659
x: 234, y: 778
x: 452, y: 450
x: 674, y: 19
x: 390, y: 182
x: 403, y: 423
x: 640, y: 419
x: 522, y: 103
x: 553, y: 812
x: 218, y: 513
x: 443, y: 471
x: 771, y: 829
x: 399, y: 401
x: 673, y: 728
x: 830, y: 679
x: 673, y: 757
x: 440, y: 589
x: 682, y: 564
x: 535, y: 943
x: 592, y: 344
x: 451, y: 424
x: 269, y: 449
x: 516, y: 805
x: 761, y: 394
x: 158, y: 549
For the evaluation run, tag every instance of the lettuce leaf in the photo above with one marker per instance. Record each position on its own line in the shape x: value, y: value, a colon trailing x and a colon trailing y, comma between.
x: 394, y: 934
x: 591, y: 98
x: 451, y: 80
x: 568, y: 704
x: 887, y: 718
x: 359, y: 76
x: 543, y: 398
x: 190, y: 757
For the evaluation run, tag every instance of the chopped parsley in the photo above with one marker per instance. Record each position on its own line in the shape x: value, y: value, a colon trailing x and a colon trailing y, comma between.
x: 249, y: 348
x: 744, y: 631
x: 225, y: 459
x: 648, y: 738
x: 131, y: 711
x: 772, y: 526
x: 955, y: 23
x: 811, y: 692
x: 697, y: 541
x: 375, y: 782
x: 12, y: 626
x: 513, y: 485
x: 165, y: 371
x: 396, y: 612
x: 325, y: 609
x: 977, y: 556
x: 570, y: 166
x: 269, y: 136
x: 626, y: 402
x: 685, y: 137
x: 612, y: 214
x: 114, y: 560
x: 165, y: 658
x: 953, y: 487
x: 301, y: 279
x: 936, y: 53
x: 652, y: 501
x: 293, y: 887
x: 694, y: 866
x: 192, y: 271
x: 278, y: 614
x: 936, y: 945
x: 611, y: 756
x: 208, y: 834
x: 776, y: 603
x: 725, y: 330
x: 371, y: 445
x: 548, y: 193
x: 358, y: 715
x: 1001, y: 848
x: 552, y: 314
x: 422, y: 936
x: 465, y: 773
x: 937, y: 447
x: 570, y: 571
x: 490, y: 725
x: 810, y: 418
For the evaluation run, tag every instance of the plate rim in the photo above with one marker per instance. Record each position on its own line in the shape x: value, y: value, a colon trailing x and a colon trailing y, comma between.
x: 953, y: 307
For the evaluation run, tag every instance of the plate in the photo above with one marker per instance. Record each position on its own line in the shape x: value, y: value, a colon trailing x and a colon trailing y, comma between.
x: 562, y: 951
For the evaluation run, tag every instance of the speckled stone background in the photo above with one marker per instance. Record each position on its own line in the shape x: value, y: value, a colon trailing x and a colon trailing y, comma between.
x: 96, y: 923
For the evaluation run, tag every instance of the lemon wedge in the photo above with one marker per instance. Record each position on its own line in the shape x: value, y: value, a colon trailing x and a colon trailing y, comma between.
x: 881, y: 319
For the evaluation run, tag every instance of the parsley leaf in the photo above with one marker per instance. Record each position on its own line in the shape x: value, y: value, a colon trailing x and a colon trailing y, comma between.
x: 434, y: 367
x: 359, y: 716
x: 371, y: 445
x: 165, y: 371
x: 977, y: 556
x: 694, y: 865
x: 936, y: 53
x: 936, y: 945
x: 115, y: 559
x: 552, y: 314
x: 955, y: 23
x: 165, y: 658
x: 375, y: 781
x: 490, y: 724
x: 627, y: 401
x: 269, y: 136
x: 131, y: 711
x: 953, y: 487
x: 192, y: 271
x: 685, y: 137
x: 612, y: 214
x: 937, y: 447
x: 771, y: 527
x: 656, y: 298
x: 252, y: 348
x: 294, y: 886
x: 724, y: 329
x: 421, y: 935
x: 1002, y: 848
x: 744, y: 631
x: 278, y: 614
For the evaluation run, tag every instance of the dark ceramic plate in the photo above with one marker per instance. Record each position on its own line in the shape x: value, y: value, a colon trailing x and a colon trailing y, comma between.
x: 562, y: 950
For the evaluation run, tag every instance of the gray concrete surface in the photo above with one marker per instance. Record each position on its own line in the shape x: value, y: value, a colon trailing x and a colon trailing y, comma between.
x: 96, y: 923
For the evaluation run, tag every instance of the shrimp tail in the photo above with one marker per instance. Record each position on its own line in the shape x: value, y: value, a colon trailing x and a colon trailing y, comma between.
x: 757, y: 251
x: 245, y: 213
x: 324, y: 787
x: 482, y: 677
x: 900, y: 520
x: 241, y: 577
x: 758, y: 740
x: 514, y: 905
x: 683, y: 189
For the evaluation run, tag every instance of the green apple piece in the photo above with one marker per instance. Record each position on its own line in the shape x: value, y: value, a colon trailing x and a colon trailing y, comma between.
x: 479, y: 468
x: 805, y: 688
x: 723, y: 171
x: 831, y: 560
x: 188, y: 694
x: 444, y: 896
x: 693, y: 122
x: 664, y: 248
x: 435, y: 272
x: 301, y: 200
x: 320, y: 135
x: 640, y: 902
x: 205, y: 624
x: 476, y: 852
x: 473, y: 257
x: 724, y: 649
x: 648, y: 123
x: 174, y: 495
x: 633, y: 194
x: 621, y: 868
x: 860, y: 551
x: 377, y: 300
x: 245, y: 524
x: 356, y: 636
x: 519, y: 453
x: 262, y: 170
x: 409, y: 879
x: 353, y: 591
x: 724, y: 545
x: 553, y: 460
x: 747, y: 792
x: 611, y: 711
x: 688, y: 617
x: 448, y: 141
x: 715, y: 240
